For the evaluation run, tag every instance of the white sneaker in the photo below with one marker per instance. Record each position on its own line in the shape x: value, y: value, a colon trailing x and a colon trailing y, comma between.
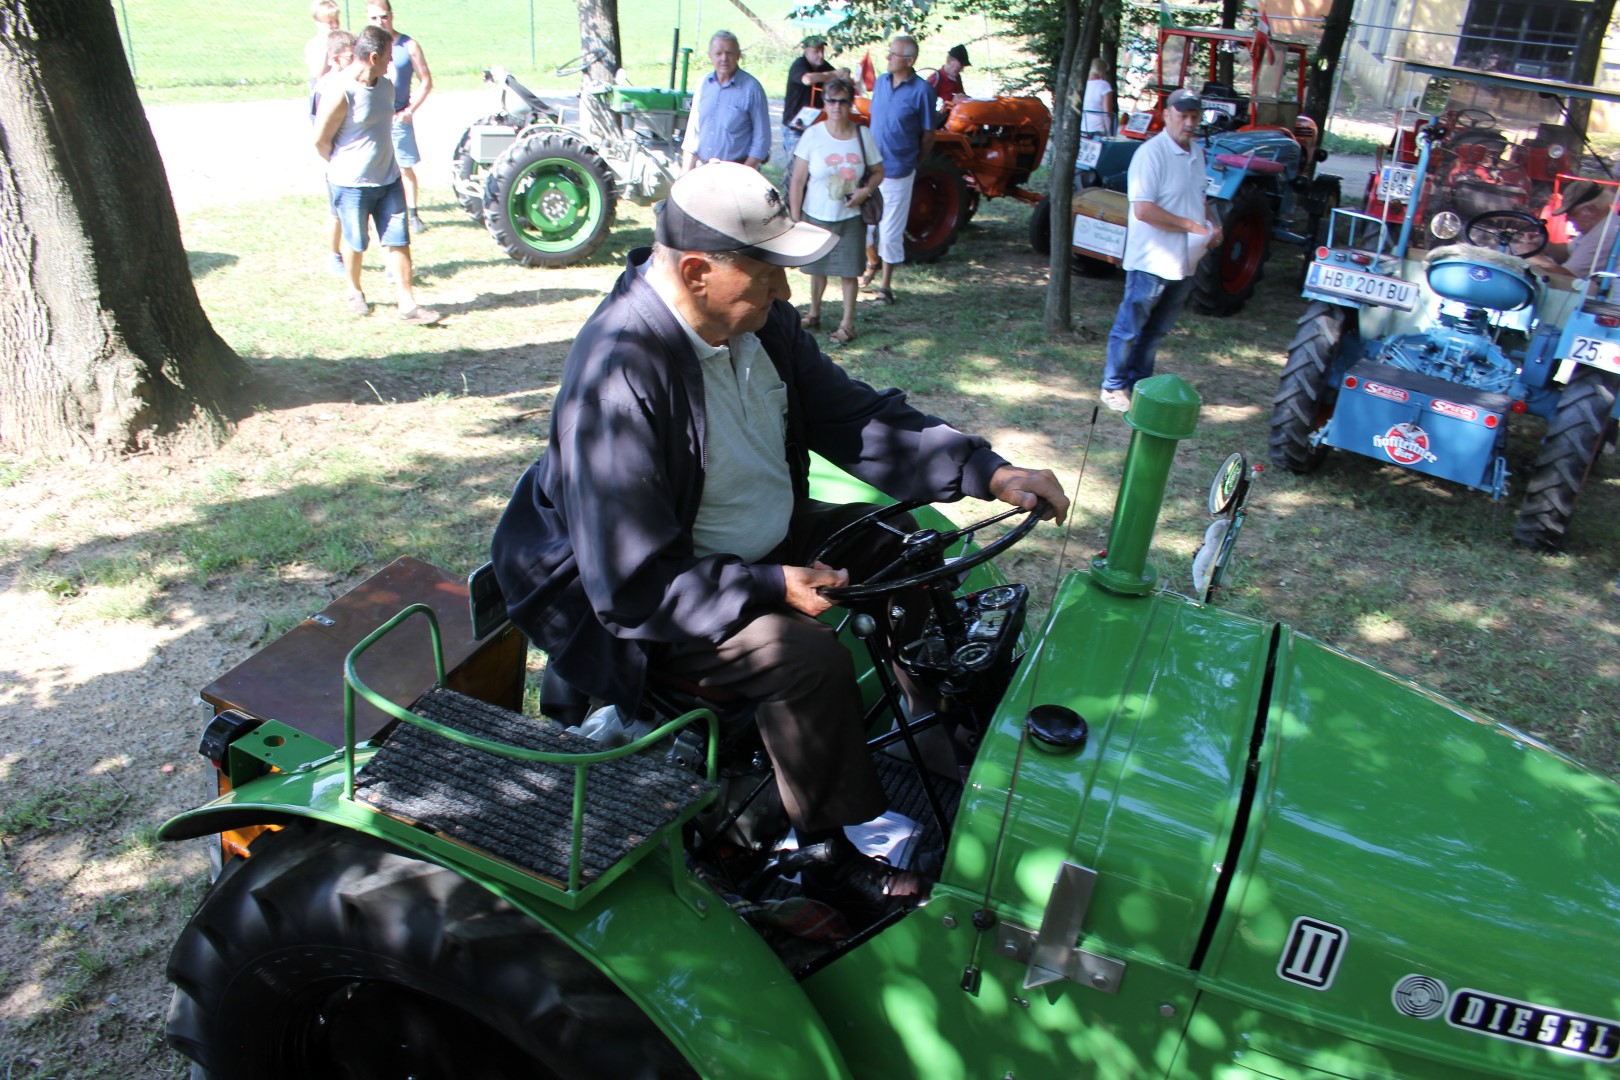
x: 1118, y: 400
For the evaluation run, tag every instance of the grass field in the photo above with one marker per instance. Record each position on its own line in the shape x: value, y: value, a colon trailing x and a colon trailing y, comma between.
x: 176, y: 44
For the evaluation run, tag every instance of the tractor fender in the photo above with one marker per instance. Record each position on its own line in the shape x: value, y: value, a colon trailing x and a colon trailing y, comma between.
x: 706, y: 978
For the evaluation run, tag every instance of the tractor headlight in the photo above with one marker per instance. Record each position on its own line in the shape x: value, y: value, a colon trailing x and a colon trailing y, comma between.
x: 1445, y: 225
x: 1555, y: 151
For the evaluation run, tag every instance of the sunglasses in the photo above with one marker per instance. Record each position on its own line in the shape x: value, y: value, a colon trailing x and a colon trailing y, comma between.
x: 837, y: 101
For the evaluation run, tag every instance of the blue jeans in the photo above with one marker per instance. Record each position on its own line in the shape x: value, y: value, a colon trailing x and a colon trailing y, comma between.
x: 382, y: 206
x: 1146, y: 313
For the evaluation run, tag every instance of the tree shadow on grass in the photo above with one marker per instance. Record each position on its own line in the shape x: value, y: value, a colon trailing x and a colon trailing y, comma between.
x: 204, y: 262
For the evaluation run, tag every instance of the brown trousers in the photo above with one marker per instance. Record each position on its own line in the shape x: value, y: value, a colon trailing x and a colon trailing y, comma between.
x: 809, y: 709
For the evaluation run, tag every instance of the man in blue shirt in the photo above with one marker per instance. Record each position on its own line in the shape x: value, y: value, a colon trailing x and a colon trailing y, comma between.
x: 903, y: 125
x: 730, y: 119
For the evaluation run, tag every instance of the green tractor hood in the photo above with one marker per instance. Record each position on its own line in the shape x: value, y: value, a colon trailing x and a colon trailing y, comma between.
x: 1416, y: 877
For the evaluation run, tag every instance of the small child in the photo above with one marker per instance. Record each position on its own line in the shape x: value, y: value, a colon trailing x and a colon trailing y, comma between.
x: 325, y: 14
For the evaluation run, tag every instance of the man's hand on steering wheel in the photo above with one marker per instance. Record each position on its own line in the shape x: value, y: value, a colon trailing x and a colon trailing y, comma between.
x: 1022, y: 487
x: 804, y: 584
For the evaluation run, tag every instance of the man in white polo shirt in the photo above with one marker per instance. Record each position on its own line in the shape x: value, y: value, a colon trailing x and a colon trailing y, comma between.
x: 1166, y: 190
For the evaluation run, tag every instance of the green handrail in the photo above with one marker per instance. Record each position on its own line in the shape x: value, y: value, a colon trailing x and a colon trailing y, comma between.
x: 352, y: 684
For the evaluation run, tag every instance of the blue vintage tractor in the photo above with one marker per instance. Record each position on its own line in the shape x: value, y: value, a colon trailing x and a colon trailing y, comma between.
x: 1423, y: 363
x: 1260, y: 154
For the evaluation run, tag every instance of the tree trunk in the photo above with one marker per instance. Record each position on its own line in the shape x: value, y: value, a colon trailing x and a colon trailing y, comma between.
x: 1060, y: 192
x: 107, y: 349
x: 599, y: 33
x: 1325, y: 62
x: 1588, y: 55
x: 1082, y: 39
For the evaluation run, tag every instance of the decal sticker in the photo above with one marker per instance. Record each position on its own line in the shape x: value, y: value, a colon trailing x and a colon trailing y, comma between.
x: 1420, y: 997
x: 1392, y: 393
x: 1406, y: 444
x: 1311, y: 956
x: 1479, y: 273
x: 1451, y: 408
x: 1520, y: 1021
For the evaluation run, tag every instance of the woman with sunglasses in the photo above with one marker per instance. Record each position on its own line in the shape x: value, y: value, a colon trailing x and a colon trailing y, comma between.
x: 836, y: 168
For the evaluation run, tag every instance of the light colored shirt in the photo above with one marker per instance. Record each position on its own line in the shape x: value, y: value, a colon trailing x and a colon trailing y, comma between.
x: 363, y: 148
x: 747, y: 496
x: 1095, y: 118
x: 1584, y: 256
x: 835, y: 171
x: 1171, y: 178
x: 729, y: 121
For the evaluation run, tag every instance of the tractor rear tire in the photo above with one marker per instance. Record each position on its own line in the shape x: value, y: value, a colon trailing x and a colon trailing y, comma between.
x: 939, y: 209
x: 1306, y: 393
x: 464, y: 168
x: 1040, y: 227
x: 549, y: 201
x: 1568, y: 452
x: 1226, y: 277
x: 329, y: 954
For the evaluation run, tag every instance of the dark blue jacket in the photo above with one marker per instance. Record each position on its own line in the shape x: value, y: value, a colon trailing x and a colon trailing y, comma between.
x: 594, y: 552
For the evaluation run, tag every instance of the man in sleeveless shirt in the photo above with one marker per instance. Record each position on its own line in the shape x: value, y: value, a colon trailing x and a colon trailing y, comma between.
x: 405, y: 61
x: 352, y: 136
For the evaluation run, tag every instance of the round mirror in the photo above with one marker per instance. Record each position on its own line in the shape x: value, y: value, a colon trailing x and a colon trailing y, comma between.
x: 1230, y: 480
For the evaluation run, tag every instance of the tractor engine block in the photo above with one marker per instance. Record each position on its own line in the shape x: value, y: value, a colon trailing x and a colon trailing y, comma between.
x: 1467, y: 359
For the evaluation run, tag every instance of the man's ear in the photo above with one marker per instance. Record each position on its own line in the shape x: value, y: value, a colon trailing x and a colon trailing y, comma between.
x: 693, y: 270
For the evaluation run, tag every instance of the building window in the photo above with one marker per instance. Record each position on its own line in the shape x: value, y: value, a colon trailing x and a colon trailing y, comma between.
x: 1523, y: 37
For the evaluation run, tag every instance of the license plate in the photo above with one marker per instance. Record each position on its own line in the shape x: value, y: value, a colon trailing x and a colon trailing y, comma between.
x: 1396, y: 184
x: 1090, y: 151
x: 1596, y: 352
x: 1364, y: 287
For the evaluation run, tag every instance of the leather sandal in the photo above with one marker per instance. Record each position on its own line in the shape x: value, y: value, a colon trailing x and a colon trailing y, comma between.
x: 871, y: 272
x: 842, y: 336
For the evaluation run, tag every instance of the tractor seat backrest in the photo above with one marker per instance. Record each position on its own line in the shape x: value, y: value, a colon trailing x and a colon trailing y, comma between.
x: 1283, y: 114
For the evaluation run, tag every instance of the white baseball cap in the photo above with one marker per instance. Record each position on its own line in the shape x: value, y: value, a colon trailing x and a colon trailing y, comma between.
x: 727, y: 206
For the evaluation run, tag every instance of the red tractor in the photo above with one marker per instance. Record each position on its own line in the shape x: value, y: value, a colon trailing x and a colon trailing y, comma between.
x: 1482, y: 161
x: 987, y: 149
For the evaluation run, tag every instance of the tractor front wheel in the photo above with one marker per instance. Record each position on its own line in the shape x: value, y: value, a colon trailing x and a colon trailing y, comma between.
x: 1227, y: 275
x: 1306, y: 392
x: 1568, y: 452
x: 549, y: 201
x: 939, y: 209
x: 328, y: 955
x: 1040, y: 227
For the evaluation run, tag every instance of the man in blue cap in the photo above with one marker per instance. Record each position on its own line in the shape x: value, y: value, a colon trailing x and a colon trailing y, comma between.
x: 1168, y: 231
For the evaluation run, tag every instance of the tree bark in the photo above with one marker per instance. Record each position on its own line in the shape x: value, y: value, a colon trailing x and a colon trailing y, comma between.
x: 1060, y: 192
x: 1082, y: 40
x: 107, y: 349
x: 599, y: 33
x: 1325, y: 62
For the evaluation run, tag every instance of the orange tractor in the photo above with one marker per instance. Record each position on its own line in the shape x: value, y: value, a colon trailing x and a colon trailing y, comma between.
x: 987, y: 149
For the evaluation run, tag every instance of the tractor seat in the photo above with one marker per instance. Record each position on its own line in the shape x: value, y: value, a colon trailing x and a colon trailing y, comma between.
x: 1251, y: 163
x: 1480, y: 277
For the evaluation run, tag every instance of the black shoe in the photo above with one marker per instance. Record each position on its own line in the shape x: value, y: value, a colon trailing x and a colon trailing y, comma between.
x: 863, y: 888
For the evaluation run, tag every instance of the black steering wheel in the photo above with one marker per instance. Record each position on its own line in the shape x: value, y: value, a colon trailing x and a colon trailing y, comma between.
x: 582, y: 62
x: 924, y: 548
x: 1473, y: 120
x: 1511, y: 231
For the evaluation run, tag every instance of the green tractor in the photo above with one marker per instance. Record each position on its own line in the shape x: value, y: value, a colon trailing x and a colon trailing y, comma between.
x: 546, y: 179
x: 1190, y: 844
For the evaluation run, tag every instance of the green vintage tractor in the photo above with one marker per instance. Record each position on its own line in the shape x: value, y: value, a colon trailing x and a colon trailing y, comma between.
x: 545, y: 179
x: 1189, y: 844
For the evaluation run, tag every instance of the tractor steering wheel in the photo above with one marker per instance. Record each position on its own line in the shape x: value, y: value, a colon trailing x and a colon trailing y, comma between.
x: 1474, y: 120
x: 924, y: 548
x: 581, y: 63
x: 1512, y: 231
